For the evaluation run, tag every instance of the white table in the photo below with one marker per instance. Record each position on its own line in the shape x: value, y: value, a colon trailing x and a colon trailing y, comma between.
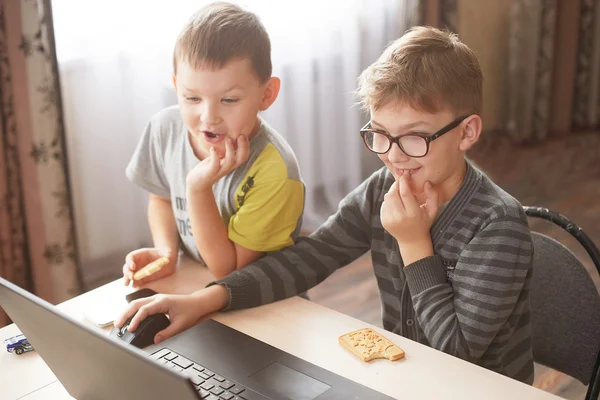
x: 297, y: 326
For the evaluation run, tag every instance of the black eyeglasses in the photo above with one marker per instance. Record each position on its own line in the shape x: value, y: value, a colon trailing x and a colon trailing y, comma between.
x: 414, y: 144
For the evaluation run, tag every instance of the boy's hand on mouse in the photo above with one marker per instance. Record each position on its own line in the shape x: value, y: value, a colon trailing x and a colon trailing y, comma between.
x: 184, y: 311
x: 138, y: 259
x: 403, y: 217
x: 212, y: 168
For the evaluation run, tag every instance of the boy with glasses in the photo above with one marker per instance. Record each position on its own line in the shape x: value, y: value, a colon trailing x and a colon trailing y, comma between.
x: 451, y: 251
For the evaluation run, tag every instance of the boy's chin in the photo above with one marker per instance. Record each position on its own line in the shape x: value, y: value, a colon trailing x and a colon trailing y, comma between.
x: 416, y: 186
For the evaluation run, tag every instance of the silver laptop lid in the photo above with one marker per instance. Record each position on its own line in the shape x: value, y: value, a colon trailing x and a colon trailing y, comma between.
x: 89, y: 364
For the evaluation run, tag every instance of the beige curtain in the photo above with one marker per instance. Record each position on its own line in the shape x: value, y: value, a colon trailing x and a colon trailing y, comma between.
x: 37, y: 248
x: 531, y: 55
x: 586, y: 107
x: 554, y: 68
x: 540, y: 60
x: 442, y: 14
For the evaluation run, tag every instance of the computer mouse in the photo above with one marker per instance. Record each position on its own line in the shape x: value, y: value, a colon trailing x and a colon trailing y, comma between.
x: 144, y: 333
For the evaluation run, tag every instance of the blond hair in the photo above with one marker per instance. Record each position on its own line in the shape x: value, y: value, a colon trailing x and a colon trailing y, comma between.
x: 221, y: 32
x: 427, y: 69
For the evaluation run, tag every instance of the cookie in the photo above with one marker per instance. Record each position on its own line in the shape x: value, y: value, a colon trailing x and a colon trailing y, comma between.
x: 151, y: 268
x: 368, y: 345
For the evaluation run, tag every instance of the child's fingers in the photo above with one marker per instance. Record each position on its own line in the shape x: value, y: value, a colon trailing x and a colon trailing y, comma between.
x: 393, y: 189
x: 135, y: 260
x: 213, y: 161
x: 176, y: 327
x: 131, y: 309
x: 243, y: 150
x: 130, y: 266
x: 127, y: 274
x: 432, y: 203
x: 139, y: 258
x: 408, y: 199
x: 393, y: 196
x: 130, y: 260
x: 155, y: 305
x: 165, y: 271
x: 228, y: 163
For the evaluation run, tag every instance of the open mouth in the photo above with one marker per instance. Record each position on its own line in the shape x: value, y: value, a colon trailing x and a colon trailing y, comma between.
x: 213, y: 137
x: 403, y: 171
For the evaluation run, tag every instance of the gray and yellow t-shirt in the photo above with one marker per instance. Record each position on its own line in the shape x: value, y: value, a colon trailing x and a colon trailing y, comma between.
x: 261, y: 201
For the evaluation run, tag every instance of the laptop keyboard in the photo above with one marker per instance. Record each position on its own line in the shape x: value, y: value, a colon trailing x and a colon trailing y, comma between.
x: 210, y: 385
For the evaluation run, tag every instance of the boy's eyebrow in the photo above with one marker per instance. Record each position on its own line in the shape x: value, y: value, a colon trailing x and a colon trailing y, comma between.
x: 234, y: 87
x: 225, y: 91
x: 404, y: 128
x: 188, y: 89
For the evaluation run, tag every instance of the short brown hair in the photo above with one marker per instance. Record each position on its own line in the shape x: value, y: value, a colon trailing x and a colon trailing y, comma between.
x: 429, y: 70
x: 221, y: 32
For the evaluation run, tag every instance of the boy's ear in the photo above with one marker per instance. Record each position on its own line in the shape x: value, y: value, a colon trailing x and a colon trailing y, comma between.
x: 471, y: 131
x: 270, y: 92
x: 174, y: 81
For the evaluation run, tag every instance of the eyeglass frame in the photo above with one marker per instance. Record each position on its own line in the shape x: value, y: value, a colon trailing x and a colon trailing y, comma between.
x: 396, y: 139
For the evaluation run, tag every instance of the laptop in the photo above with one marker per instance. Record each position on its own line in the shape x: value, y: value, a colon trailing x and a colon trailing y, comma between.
x: 209, y: 361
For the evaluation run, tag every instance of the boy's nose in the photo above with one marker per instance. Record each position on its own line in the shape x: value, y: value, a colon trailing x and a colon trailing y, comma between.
x: 209, y: 116
x: 396, y: 154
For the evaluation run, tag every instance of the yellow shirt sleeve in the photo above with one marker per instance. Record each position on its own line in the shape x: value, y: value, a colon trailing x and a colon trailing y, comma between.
x: 269, y: 205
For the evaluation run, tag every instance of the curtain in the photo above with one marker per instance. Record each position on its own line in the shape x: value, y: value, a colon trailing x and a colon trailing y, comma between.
x: 554, y: 68
x: 442, y: 14
x: 586, y: 108
x: 540, y: 61
x: 532, y: 32
x: 449, y: 15
x: 37, y: 246
x: 115, y: 67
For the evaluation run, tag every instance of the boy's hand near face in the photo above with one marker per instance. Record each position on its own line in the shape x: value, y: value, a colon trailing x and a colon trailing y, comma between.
x: 220, y: 254
x: 407, y: 221
x: 212, y: 168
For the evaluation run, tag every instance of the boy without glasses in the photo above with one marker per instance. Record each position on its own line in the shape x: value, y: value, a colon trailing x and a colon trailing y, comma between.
x: 451, y: 251
x: 220, y: 179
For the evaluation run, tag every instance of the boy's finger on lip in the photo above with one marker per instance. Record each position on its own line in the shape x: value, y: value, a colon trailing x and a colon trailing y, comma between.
x: 404, y: 189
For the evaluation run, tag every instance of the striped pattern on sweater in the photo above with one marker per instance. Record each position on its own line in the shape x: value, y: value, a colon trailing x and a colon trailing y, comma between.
x: 470, y: 300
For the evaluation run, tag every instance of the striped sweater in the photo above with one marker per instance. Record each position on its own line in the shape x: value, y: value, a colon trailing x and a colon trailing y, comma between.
x: 470, y: 300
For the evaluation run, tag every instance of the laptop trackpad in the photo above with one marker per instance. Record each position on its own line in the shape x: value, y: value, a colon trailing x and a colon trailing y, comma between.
x: 290, y: 383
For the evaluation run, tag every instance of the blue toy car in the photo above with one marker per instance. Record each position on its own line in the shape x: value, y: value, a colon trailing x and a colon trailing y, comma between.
x: 18, y: 344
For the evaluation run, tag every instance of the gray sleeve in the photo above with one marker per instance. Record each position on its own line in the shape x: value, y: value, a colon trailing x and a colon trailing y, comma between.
x: 146, y: 168
x: 344, y: 237
x: 463, y: 317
